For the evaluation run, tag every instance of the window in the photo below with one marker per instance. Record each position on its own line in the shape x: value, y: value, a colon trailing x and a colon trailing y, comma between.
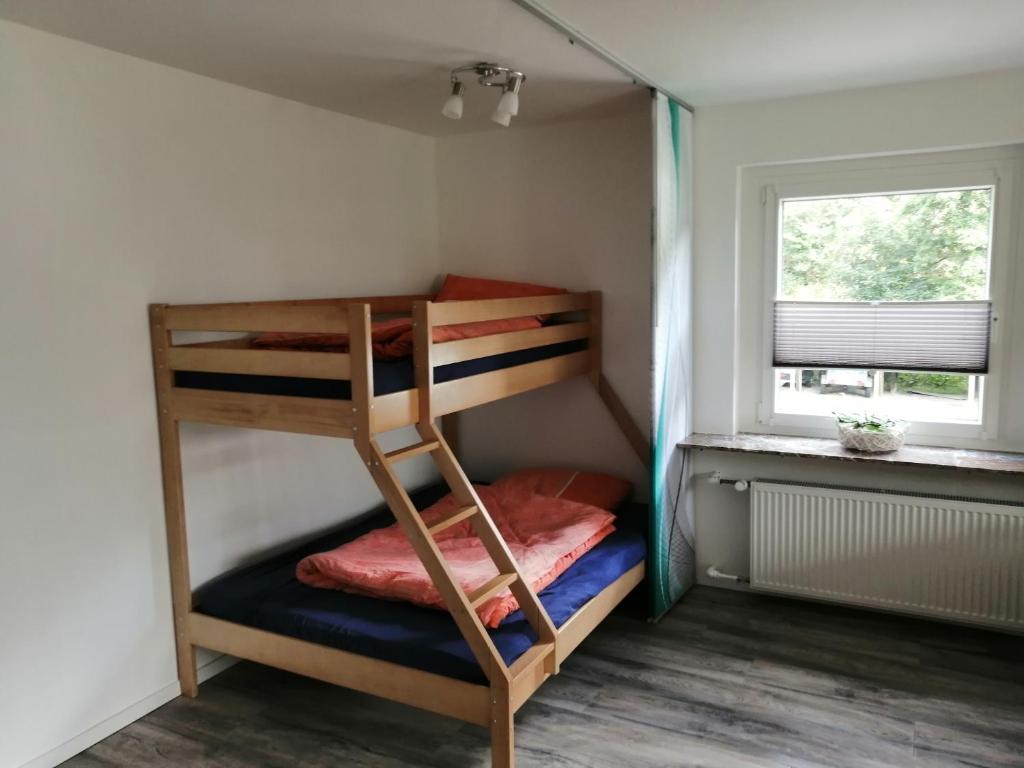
x: 916, y: 397
x: 926, y: 255
x: 881, y: 296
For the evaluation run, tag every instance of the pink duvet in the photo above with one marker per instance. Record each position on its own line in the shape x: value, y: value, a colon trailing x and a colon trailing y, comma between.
x: 546, y: 535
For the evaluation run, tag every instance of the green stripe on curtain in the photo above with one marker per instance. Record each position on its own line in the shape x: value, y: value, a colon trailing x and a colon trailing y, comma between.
x: 672, y: 553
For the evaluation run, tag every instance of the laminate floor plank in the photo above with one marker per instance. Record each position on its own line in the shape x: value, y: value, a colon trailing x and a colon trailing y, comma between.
x: 726, y: 680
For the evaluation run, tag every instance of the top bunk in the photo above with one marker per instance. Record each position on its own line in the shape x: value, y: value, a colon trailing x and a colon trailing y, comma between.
x: 314, y: 388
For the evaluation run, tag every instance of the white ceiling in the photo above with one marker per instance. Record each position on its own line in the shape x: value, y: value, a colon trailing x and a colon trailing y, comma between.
x: 388, y: 60
x: 712, y: 51
x: 383, y: 60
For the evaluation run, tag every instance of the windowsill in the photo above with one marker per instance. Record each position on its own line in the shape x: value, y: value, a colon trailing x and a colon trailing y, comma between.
x: 829, y: 448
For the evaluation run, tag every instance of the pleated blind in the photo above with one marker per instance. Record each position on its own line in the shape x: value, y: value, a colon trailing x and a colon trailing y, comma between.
x: 933, y: 336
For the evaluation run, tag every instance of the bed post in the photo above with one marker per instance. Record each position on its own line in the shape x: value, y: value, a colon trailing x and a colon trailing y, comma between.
x: 423, y: 331
x: 596, y: 338
x: 361, y: 356
x: 450, y: 423
x: 503, y: 745
x: 174, y: 503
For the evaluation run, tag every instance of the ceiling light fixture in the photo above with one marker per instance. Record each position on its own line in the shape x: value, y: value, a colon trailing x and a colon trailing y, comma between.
x: 509, y: 101
x: 453, y: 104
x: 491, y: 75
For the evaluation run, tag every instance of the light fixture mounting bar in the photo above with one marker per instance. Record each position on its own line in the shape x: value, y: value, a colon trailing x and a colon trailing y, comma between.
x: 489, y: 74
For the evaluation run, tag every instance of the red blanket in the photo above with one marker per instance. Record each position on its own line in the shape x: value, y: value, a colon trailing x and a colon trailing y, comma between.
x: 546, y: 535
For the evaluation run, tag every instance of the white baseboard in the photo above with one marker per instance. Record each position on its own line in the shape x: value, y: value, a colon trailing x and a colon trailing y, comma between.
x: 101, y: 730
x: 113, y: 724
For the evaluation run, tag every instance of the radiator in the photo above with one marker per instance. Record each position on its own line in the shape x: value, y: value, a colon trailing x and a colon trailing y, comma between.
x: 957, y: 559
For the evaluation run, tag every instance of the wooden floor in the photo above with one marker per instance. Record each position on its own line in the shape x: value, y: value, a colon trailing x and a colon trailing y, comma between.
x: 726, y: 679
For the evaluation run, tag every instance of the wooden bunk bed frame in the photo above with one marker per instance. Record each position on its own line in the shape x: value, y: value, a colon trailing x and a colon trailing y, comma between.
x: 361, y: 419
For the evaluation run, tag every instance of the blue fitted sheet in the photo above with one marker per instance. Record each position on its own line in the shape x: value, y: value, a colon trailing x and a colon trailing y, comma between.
x: 268, y: 596
x: 388, y: 375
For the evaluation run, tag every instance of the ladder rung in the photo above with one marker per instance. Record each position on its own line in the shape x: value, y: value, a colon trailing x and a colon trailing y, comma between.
x: 412, y: 450
x: 533, y: 656
x: 448, y: 522
x: 480, y: 596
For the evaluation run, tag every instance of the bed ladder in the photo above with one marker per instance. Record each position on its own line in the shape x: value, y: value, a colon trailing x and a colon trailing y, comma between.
x: 542, y: 658
x: 470, y: 507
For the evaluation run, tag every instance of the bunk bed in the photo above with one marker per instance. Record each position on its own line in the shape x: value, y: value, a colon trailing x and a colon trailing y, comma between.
x: 490, y: 674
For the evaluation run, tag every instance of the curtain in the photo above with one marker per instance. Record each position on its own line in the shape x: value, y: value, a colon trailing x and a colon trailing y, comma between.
x: 672, y: 553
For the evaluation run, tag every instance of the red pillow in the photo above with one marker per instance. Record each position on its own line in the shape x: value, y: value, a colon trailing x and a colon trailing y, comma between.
x: 591, y: 488
x: 460, y: 288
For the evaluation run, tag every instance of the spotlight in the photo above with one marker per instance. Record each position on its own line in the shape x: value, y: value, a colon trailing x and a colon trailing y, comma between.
x: 491, y: 75
x: 509, y: 102
x: 453, y: 104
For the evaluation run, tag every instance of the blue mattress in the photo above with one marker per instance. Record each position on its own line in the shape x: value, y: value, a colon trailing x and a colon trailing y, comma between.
x: 388, y: 375
x: 268, y: 596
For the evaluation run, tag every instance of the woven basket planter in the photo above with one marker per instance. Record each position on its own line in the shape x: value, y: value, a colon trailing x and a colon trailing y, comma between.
x: 872, y: 442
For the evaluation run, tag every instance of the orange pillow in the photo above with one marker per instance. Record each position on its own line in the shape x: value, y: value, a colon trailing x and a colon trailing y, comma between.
x: 461, y: 288
x: 593, y: 488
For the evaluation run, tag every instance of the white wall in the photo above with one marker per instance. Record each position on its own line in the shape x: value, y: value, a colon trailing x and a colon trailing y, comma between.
x: 980, y: 110
x: 566, y: 205
x: 121, y: 183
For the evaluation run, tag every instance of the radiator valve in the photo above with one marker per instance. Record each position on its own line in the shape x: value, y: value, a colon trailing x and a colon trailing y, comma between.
x: 715, y: 478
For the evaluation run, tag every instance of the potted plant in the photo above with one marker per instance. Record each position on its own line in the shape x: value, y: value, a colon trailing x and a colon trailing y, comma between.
x: 870, y: 434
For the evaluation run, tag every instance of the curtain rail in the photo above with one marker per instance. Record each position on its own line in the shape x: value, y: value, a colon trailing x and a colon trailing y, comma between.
x: 575, y: 36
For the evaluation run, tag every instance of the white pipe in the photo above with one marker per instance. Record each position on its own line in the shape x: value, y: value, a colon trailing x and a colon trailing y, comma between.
x: 714, y: 573
x: 715, y: 478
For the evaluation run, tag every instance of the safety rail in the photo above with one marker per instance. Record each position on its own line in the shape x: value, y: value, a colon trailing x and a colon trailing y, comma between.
x: 340, y: 417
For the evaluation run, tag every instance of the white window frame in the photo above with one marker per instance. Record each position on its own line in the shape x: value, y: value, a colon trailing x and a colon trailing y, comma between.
x: 844, y: 178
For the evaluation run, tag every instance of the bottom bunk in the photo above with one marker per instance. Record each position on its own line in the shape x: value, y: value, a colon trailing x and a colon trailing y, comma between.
x: 268, y: 597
